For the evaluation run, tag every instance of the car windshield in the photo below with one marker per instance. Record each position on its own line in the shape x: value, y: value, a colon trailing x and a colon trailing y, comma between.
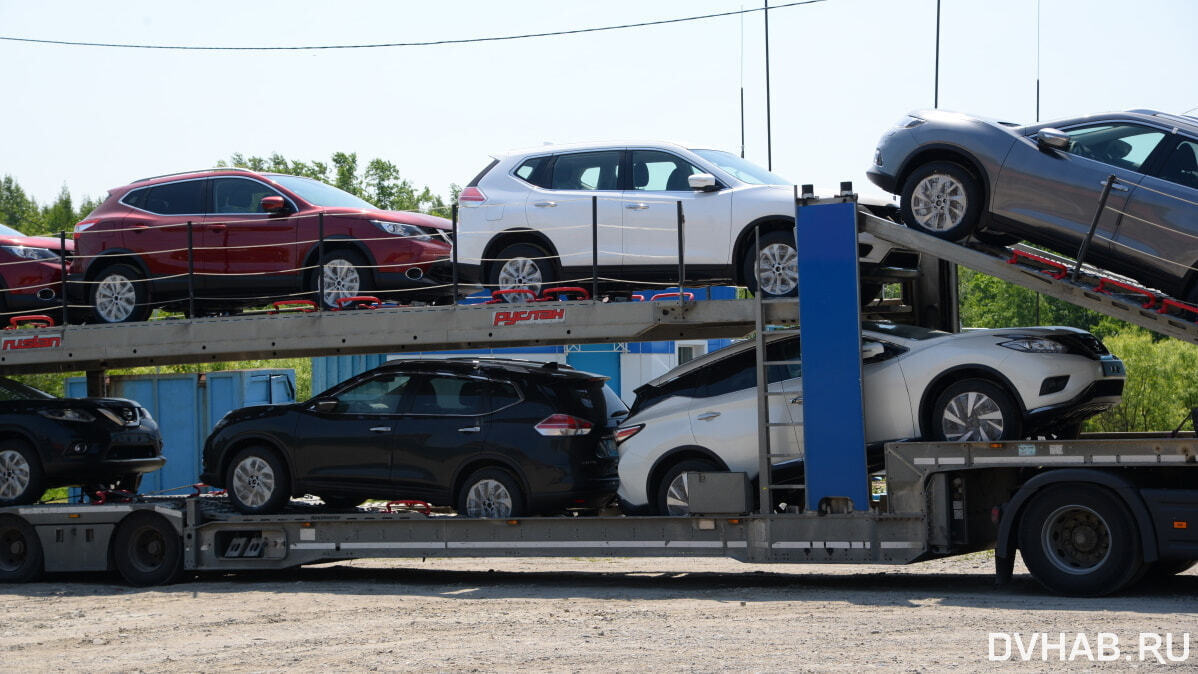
x: 320, y: 194
x: 741, y: 169
x: 12, y: 390
x: 903, y: 331
x: 5, y: 230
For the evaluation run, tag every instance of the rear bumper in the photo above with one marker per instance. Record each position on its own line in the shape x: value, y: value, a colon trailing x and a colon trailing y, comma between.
x: 589, y: 494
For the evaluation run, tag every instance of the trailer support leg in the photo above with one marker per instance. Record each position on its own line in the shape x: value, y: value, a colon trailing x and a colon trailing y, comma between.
x: 97, y: 383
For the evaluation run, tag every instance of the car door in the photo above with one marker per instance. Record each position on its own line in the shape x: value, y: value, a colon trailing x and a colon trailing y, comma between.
x: 247, y: 249
x: 349, y: 447
x: 658, y: 184
x: 724, y: 414
x: 157, y: 232
x: 562, y: 208
x: 1159, y: 233
x: 445, y: 423
x: 1054, y: 194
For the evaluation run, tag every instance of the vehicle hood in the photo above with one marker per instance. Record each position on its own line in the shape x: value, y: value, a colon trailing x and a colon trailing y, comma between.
x: 407, y: 217
x: 36, y: 242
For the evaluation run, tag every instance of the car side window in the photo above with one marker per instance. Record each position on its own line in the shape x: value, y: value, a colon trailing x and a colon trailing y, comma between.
x: 378, y: 395
x: 783, y: 351
x: 458, y: 396
x: 182, y: 198
x: 657, y: 171
x: 238, y: 195
x: 730, y: 374
x: 136, y: 198
x: 1181, y: 166
x: 534, y: 171
x: 587, y: 171
x: 1126, y: 146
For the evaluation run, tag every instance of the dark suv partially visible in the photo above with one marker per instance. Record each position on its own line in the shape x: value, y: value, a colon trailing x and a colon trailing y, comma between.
x: 57, y: 442
x: 490, y: 437
x: 254, y: 237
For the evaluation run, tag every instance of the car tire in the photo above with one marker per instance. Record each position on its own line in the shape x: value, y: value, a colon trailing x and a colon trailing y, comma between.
x: 942, y: 199
x: 521, y: 265
x: 147, y: 550
x: 975, y: 410
x: 22, y: 480
x: 21, y: 556
x: 490, y: 492
x: 1080, y: 540
x: 257, y: 481
x: 777, y: 264
x: 119, y: 295
x: 345, y: 275
x: 672, y: 496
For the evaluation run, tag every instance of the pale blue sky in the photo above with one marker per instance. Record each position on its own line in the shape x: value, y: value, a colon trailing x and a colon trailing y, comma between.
x: 842, y: 72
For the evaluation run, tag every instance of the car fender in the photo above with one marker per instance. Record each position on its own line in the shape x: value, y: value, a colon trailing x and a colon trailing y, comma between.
x: 339, y: 241
x: 937, y: 384
x: 1010, y: 511
x: 519, y: 235
x: 672, y: 456
x: 102, y: 259
x: 223, y: 447
x: 483, y: 459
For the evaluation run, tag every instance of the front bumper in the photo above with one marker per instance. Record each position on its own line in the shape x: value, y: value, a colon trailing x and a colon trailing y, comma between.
x: 1097, y: 398
x: 882, y: 179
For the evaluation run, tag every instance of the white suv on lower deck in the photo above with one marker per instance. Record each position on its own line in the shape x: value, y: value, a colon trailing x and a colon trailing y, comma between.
x: 526, y: 220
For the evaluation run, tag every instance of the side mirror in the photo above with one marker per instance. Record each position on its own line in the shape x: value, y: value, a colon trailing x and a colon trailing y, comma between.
x: 702, y: 182
x: 324, y: 404
x: 871, y: 350
x: 1052, y: 138
x: 273, y: 203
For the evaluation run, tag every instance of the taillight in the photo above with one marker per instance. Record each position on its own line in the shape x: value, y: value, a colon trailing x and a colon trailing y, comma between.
x: 563, y: 425
x: 83, y: 227
x: 625, y: 432
x: 471, y: 195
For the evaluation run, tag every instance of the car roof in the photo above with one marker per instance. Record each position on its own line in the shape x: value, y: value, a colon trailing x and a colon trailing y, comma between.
x: 552, y: 148
x: 182, y: 175
x: 468, y: 363
x: 1191, y: 123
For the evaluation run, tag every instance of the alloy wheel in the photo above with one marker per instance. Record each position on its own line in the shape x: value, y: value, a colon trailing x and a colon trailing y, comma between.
x: 14, y: 474
x: 488, y: 498
x: 253, y: 481
x: 972, y: 416
x: 678, y: 500
x: 777, y: 269
x: 520, y: 272
x: 939, y: 202
x: 341, y: 279
x: 116, y: 298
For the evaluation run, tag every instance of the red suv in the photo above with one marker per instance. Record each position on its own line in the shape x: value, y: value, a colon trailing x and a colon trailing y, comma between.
x: 31, y: 274
x: 254, y: 237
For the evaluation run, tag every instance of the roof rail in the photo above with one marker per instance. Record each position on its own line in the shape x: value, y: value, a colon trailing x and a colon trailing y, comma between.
x: 207, y: 170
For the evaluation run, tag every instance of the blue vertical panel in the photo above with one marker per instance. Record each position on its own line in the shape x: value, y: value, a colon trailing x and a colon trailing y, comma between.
x: 830, y: 320
x: 178, y: 416
x: 601, y: 359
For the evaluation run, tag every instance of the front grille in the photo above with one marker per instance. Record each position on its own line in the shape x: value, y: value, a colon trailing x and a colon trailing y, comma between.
x: 122, y: 452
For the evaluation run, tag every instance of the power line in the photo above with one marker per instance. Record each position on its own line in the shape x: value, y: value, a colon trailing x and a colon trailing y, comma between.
x: 430, y: 43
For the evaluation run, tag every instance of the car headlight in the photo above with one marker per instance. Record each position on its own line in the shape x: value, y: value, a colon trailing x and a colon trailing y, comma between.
x: 68, y: 414
x: 30, y: 253
x: 402, y: 229
x: 1034, y: 345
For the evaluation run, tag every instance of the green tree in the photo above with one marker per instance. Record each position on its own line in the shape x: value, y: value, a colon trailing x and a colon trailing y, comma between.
x: 17, y: 210
x: 1160, y: 388
x: 988, y: 302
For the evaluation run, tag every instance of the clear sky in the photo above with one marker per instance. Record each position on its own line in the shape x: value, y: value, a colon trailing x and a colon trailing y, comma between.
x: 842, y: 72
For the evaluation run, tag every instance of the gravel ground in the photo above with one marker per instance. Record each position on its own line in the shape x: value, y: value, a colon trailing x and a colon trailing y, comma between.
x: 580, y: 614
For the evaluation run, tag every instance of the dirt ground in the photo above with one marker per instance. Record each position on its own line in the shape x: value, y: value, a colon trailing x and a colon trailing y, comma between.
x: 579, y: 615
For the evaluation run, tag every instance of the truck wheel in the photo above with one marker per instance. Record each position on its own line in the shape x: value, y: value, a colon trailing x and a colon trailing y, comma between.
x: 673, y: 492
x: 490, y: 492
x: 258, y: 482
x: 147, y: 550
x: 1080, y: 540
x: 975, y: 410
x: 521, y: 266
x: 942, y: 199
x: 119, y: 295
x: 20, y: 551
x: 21, y: 479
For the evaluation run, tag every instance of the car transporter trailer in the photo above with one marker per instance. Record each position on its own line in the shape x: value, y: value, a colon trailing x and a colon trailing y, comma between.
x: 1090, y: 516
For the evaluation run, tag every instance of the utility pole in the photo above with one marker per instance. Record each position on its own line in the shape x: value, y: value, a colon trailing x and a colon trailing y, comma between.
x: 769, y: 136
x: 936, y: 77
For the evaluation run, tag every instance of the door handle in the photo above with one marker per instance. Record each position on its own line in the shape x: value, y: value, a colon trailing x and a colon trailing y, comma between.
x: 796, y: 400
x: 544, y: 204
x: 707, y: 416
x: 636, y: 207
x: 470, y: 429
x: 217, y: 227
x: 380, y: 429
x: 1115, y: 186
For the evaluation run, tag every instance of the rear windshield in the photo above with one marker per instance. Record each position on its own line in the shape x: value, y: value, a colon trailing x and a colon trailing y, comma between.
x: 589, y: 399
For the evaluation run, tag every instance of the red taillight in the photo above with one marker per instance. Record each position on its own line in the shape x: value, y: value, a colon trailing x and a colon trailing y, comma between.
x: 563, y: 425
x: 626, y: 432
x: 471, y: 195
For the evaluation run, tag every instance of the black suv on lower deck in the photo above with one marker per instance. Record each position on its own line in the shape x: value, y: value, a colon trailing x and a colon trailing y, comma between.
x: 491, y: 437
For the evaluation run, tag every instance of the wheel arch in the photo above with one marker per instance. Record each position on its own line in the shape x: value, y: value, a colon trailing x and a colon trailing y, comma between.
x: 767, y: 223
x: 234, y: 446
x: 339, y: 242
x: 945, y: 152
x: 115, y: 256
x: 672, y: 458
x: 954, y: 375
x: 513, y: 236
x: 489, y: 461
x: 1123, y: 489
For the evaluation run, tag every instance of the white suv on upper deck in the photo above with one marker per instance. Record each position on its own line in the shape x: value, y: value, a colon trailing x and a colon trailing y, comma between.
x: 526, y: 220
